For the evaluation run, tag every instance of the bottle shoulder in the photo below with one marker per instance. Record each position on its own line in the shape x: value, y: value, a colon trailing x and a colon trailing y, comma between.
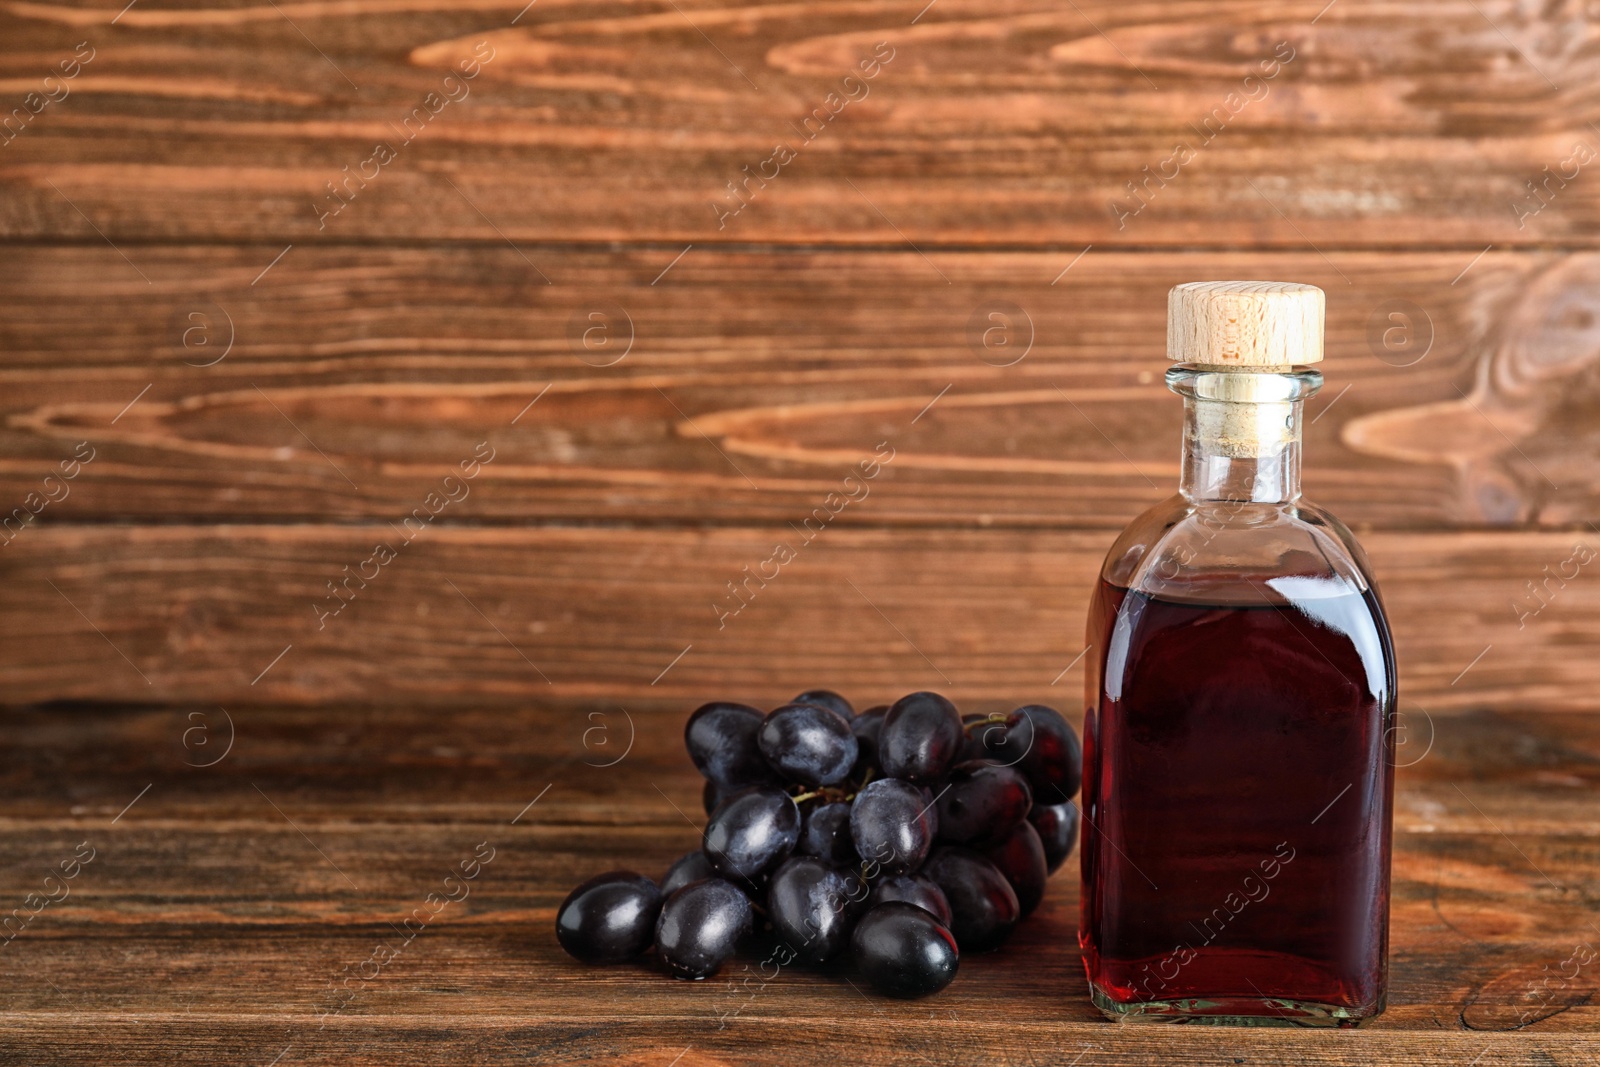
x: 1237, y: 551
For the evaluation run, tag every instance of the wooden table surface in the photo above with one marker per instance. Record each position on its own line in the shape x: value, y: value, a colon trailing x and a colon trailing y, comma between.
x: 230, y: 913
x: 278, y: 663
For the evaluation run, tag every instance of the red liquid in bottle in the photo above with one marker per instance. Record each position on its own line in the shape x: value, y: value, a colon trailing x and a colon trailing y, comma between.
x: 1236, y: 795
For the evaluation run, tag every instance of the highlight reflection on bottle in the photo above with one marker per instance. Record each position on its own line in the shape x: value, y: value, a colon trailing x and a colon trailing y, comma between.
x: 1238, y: 776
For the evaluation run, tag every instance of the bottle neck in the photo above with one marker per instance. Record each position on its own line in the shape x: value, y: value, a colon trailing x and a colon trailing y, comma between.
x: 1241, y: 432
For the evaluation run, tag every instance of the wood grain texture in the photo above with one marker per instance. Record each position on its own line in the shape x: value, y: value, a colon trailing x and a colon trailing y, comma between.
x: 744, y: 386
x: 1019, y: 122
x: 224, y: 901
x: 272, y: 375
x: 163, y: 613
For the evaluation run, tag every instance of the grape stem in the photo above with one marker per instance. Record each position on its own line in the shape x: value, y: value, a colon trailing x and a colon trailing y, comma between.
x: 991, y: 720
x: 829, y: 793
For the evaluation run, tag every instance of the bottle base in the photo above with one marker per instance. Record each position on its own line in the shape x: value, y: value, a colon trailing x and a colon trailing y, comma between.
x: 1233, y: 1011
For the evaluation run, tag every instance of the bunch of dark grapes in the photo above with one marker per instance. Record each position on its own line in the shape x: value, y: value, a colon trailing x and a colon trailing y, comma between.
x: 900, y: 837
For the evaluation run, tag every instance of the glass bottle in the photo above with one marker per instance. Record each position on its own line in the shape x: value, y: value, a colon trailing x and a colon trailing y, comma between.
x: 1238, y: 739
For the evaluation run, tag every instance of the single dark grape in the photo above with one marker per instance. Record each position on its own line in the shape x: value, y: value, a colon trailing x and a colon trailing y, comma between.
x: 808, y: 744
x: 921, y: 738
x: 916, y: 889
x: 903, y: 951
x: 752, y: 833
x: 983, y: 906
x: 721, y: 739
x: 826, y: 698
x: 825, y: 833
x: 813, y: 905
x: 892, y: 825
x: 1020, y: 857
x: 1058, y: 831
x: 867, y: 726
x: 1044, y: 747
x: 689, y: 867
x: 700, y: 926
x: 609, y: 918
x: 982, y: 803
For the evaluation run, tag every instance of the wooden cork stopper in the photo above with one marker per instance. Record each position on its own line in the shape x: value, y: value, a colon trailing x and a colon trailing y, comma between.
x: 1245, y: 324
